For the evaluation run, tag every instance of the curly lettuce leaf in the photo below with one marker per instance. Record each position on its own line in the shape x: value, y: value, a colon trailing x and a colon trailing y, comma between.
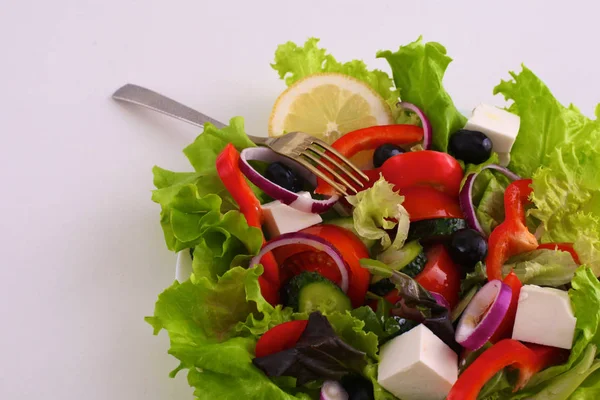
x: 566, y: 195
x: 373, y: 212
x: 213, y: 327
x: 418, y: 70
x: 542, y: 267
x: 190, y: 201
x: 352, y: 331
x: 293, y: 63
x: 545, y: 123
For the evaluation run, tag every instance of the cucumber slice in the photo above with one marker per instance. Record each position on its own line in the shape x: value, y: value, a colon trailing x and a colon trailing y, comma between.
x: 348, y: 223
x: 410, y: 259
x: 309, y: 291
x: 435, y: 229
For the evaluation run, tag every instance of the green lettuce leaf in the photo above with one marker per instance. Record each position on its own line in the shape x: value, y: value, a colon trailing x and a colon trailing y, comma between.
x: 352, y: 331
x: 225, y: 243
x: 566, y: 195
x: 545, y: 123
x: 418, y: 70
x: 293, y: 63
x: 373, y: 209
x: 542, y: 267
x: 190, y: 201
x: 213, y: 327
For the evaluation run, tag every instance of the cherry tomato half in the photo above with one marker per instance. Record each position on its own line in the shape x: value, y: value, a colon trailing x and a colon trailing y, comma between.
x: 349, y: 246
x: 279, y: 338
x: 427, y: 203
x: 424, y: 168
x: 440, y: 275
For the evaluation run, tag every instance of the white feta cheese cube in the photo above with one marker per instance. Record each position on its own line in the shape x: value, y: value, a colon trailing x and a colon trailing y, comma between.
x: 499, y: 125
x: 281, y: 218
x: 544, y: 316
x: 417, y: 365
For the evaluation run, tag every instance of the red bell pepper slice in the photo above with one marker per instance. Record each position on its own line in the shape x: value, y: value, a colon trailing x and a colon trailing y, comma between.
x: 280, y: 337
x: 235, y: 182
x: 529, y: 360
x: 428, y: 203
x: 511, y: 237
x: 424, y: 168
x: 568, y: 247
x: 369, y: 139
x: 505, y: 328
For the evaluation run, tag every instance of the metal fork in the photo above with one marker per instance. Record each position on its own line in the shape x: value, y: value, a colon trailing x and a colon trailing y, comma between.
x: 312, y: 153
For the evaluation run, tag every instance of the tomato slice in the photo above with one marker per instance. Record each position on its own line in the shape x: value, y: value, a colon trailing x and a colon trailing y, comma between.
x: 279, y: 338
x: 424, y: 168
x: 440, y: 274
x: 346, y: 242
x: 568, y: 247
x: 428, y: 203
x: 313, y: 261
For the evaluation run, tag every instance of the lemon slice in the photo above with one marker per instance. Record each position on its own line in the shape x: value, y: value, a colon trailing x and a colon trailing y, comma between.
x: 327, y: 106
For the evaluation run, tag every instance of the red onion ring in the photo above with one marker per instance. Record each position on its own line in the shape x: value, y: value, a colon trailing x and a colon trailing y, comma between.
x: 310, y: 240
x: 466, y: 195
x: 427, y: 131
x: 288, y: 197
x: 483, y: 315
x: 332, y: 390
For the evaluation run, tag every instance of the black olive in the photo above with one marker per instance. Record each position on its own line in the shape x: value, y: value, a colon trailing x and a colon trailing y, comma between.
x: 283, y: 176
x: 358, y: 387
x: 472, y: 147
x: 467, y: 247
x: 385, y: 151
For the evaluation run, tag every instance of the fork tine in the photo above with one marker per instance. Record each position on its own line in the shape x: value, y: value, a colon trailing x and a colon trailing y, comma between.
x: 341, y: 157
x: 330, y: 170
x: 321, y: 175
x: 337, y: 165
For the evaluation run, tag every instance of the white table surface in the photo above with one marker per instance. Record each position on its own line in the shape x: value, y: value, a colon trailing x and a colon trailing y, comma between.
x: 81, y: 250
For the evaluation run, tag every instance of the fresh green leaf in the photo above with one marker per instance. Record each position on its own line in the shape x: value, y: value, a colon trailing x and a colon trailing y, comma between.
x: 379, y: 392
x: 542, y: 267
x: 225, y: 243
x: 318, y: 354
x: 566, y: 195
x: 225, y: 371
x: 293, y: 63
x: 353, y: 331
x: 373, y: 210
x: 475, y: 278
x: 191, y: 201
x: 545, y: 123
x: 418, y: 69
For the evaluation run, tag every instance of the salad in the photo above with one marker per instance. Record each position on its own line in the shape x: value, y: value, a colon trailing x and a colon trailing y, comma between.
x: 464, y: 268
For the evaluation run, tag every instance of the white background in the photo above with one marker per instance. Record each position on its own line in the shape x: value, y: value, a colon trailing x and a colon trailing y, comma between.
x: 82, y: 257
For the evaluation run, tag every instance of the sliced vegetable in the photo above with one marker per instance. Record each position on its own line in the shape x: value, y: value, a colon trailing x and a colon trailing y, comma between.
x: 463, y: 303
x: 466, y: 194
x: 309, y: 292
x: 435, y: 229
x: 568, y: 247
x: 369, y: 139
x: 505, y: 328
x: 318, y: 354
x: 277, y: 192
x: 443, y: 172
x: 427, y: 131
x: 424, y: 202
x: 483, y: 315
x: 332, y: 390
x: 505, y: 353
x: 280, y: 337
x: 440, y: 275
x: 227, y: 165
x: 511, y: 237
x: 309, y: 240
x: 347, y: 243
